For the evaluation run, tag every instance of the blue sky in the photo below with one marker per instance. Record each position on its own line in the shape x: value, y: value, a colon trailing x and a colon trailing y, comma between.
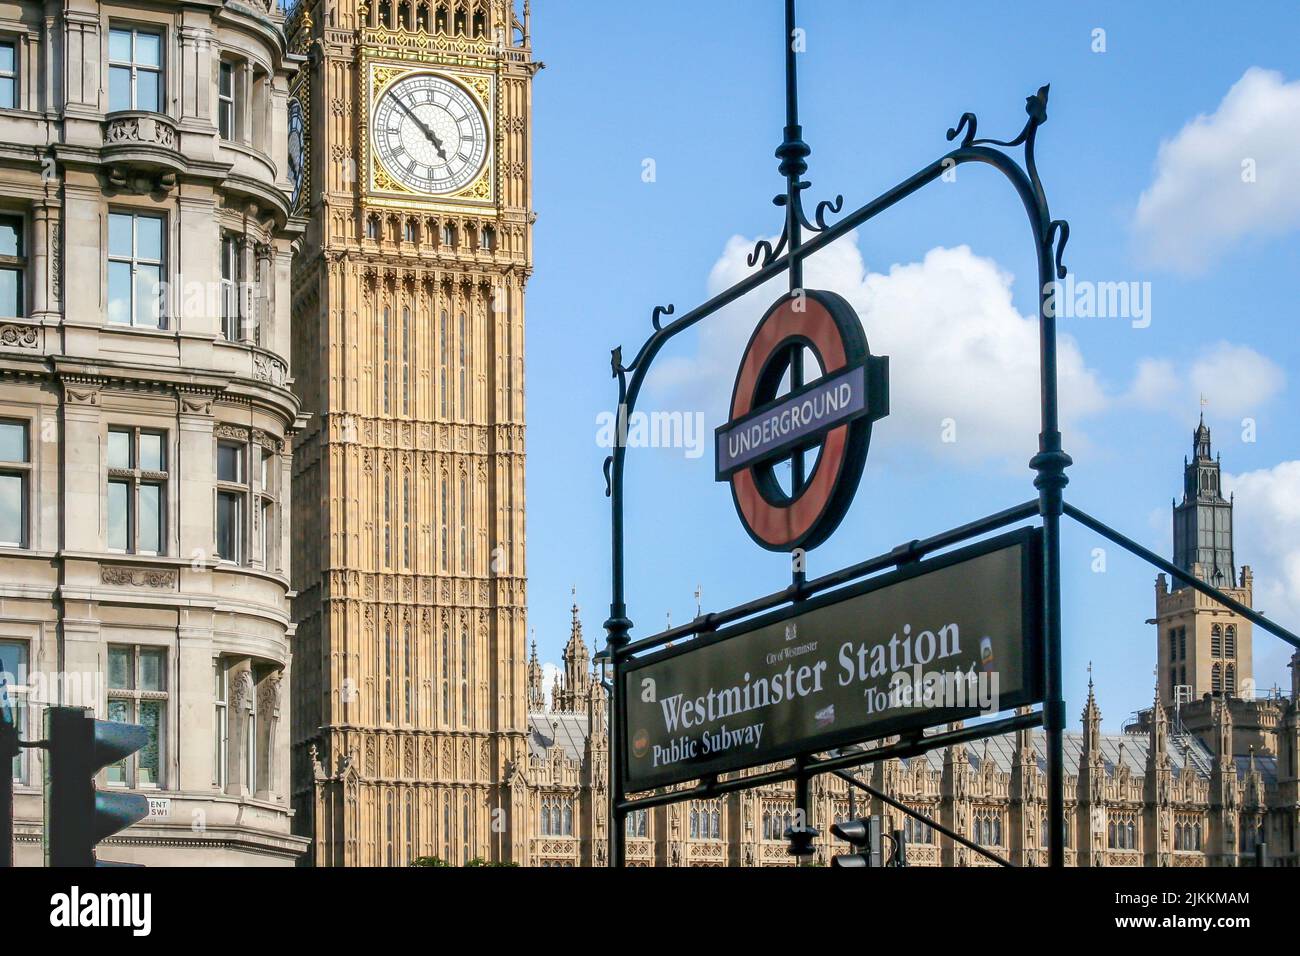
x: 1174, y: 155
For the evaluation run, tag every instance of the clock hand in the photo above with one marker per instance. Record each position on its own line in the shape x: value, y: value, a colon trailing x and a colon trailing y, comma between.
x: 428, y: 133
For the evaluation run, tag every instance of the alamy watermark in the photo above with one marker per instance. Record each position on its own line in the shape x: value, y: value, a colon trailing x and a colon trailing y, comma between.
x: 656, y: 429
x: 1073, y: 298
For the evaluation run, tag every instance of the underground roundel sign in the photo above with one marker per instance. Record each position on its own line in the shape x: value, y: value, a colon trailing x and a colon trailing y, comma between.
x: 846, y: 390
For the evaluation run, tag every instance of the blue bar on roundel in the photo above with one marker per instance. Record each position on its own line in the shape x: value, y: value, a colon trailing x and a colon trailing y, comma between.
x: 777, y: 429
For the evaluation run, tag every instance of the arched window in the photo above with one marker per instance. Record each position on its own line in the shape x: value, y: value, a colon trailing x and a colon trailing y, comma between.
x: 440, y: 19
x: 446, y: 827
x: 406, y: 360
x: 408, y: 701
x: 546, y: 818
x: 422, y: 17
x: 392, y: 840
x: 1216, y: 641
x: 444, y: 518
x: 568, y: 818
x: 406, y: 520
x: 464, y: 677
x: 1216, y: 678
x: 387, y: 346
x: 1230, y: 680
x: 446, y: 673
x: 388, y: 673
x: 410, y: 830
x: 404, y: 16
x: 464, y: 388
x: 388, y: 517
x: 442, y: 360
x: 464, y: 524
x: 449, y: 235
x: 488, y: 239
x: 1230, y: 642
x: 372, y: 227
x: 714, y: 824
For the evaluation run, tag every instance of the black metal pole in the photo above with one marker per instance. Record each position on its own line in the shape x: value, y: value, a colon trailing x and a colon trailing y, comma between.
x: 617, y: 832
x: 8, y: 751
x: 1050, y: 464
x: 803, y: 811
x: 793, y: 153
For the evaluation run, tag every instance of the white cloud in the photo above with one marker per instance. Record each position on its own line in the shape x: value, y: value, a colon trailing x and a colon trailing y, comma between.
x: 958, y: 347
x: 1199, y: 203
x: 1267, y: 516
x: 1233, y: 379
x: 550, y: 677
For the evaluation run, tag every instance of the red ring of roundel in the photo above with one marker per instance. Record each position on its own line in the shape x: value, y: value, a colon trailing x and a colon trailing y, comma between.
x: 808, y: 519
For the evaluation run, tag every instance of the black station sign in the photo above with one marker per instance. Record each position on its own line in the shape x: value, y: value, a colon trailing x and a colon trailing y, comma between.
x: 949, y: 638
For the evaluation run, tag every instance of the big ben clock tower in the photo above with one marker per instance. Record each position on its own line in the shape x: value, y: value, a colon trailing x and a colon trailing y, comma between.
x: 410, y: 693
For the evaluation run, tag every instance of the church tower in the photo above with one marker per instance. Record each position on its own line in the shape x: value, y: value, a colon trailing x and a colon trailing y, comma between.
x: 1203, y: 647
x: 410, y: 698
x: 1203, y: 521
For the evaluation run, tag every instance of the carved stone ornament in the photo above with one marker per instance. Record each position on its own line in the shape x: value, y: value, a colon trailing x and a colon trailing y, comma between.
x: 231, y: 432
x: 81, y: 395
x: 196, y: 405
x: 15, y: 335
x: 137, y: 577
x: 241, y: 693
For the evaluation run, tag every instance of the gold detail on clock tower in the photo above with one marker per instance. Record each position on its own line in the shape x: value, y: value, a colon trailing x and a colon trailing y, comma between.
x: 410, y: 710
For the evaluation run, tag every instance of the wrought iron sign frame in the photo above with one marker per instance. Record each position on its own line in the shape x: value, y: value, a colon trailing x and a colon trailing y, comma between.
x: 1049, y: 465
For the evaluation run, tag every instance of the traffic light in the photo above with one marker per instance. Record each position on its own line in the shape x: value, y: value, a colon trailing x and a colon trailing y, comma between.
x: 864, y: 835
x: 77, y: 816
x: 801, y: 841
x: 899, y: 857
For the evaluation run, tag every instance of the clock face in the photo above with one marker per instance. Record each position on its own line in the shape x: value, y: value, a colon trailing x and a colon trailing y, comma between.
x: 430, y: 134
x: 296, y: 150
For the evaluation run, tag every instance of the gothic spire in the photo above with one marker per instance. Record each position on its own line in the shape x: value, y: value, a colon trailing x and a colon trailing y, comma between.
x: 536, y: 694
x: 1091, y: 719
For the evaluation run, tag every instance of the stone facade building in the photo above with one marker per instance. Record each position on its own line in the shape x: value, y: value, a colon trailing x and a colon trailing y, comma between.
x: 145, y: 414
x: 1201, y: 778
